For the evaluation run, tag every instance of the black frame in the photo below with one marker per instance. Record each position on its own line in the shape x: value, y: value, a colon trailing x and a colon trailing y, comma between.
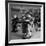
x: 6, y: 8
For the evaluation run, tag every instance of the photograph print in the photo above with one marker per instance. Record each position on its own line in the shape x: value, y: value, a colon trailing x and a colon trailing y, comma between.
x: 25, y: 22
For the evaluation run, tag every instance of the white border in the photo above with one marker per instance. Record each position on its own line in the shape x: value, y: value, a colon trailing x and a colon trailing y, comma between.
x: 42, y: 23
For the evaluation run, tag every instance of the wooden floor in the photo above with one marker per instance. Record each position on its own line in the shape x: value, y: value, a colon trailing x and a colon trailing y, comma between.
x: 19, y: 35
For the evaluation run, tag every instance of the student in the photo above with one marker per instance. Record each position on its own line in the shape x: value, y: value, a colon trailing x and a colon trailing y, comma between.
x: 25, y: 26
x: 14, y: 22
x: 29, y: 25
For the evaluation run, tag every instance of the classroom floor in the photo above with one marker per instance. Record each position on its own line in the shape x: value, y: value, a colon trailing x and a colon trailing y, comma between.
x: 19, y: 35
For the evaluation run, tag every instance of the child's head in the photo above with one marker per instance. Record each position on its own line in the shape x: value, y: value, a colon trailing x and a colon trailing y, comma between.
x: 15, y: 16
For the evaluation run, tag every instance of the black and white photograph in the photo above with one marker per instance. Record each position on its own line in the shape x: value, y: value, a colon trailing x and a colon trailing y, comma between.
x: 25, y: 22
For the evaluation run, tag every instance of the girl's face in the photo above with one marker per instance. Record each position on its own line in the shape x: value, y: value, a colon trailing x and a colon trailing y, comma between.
x: 19, y: 26
x: 15, y: 16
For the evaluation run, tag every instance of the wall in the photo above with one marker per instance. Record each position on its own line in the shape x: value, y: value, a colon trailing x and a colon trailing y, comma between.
x: 3, y: 23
